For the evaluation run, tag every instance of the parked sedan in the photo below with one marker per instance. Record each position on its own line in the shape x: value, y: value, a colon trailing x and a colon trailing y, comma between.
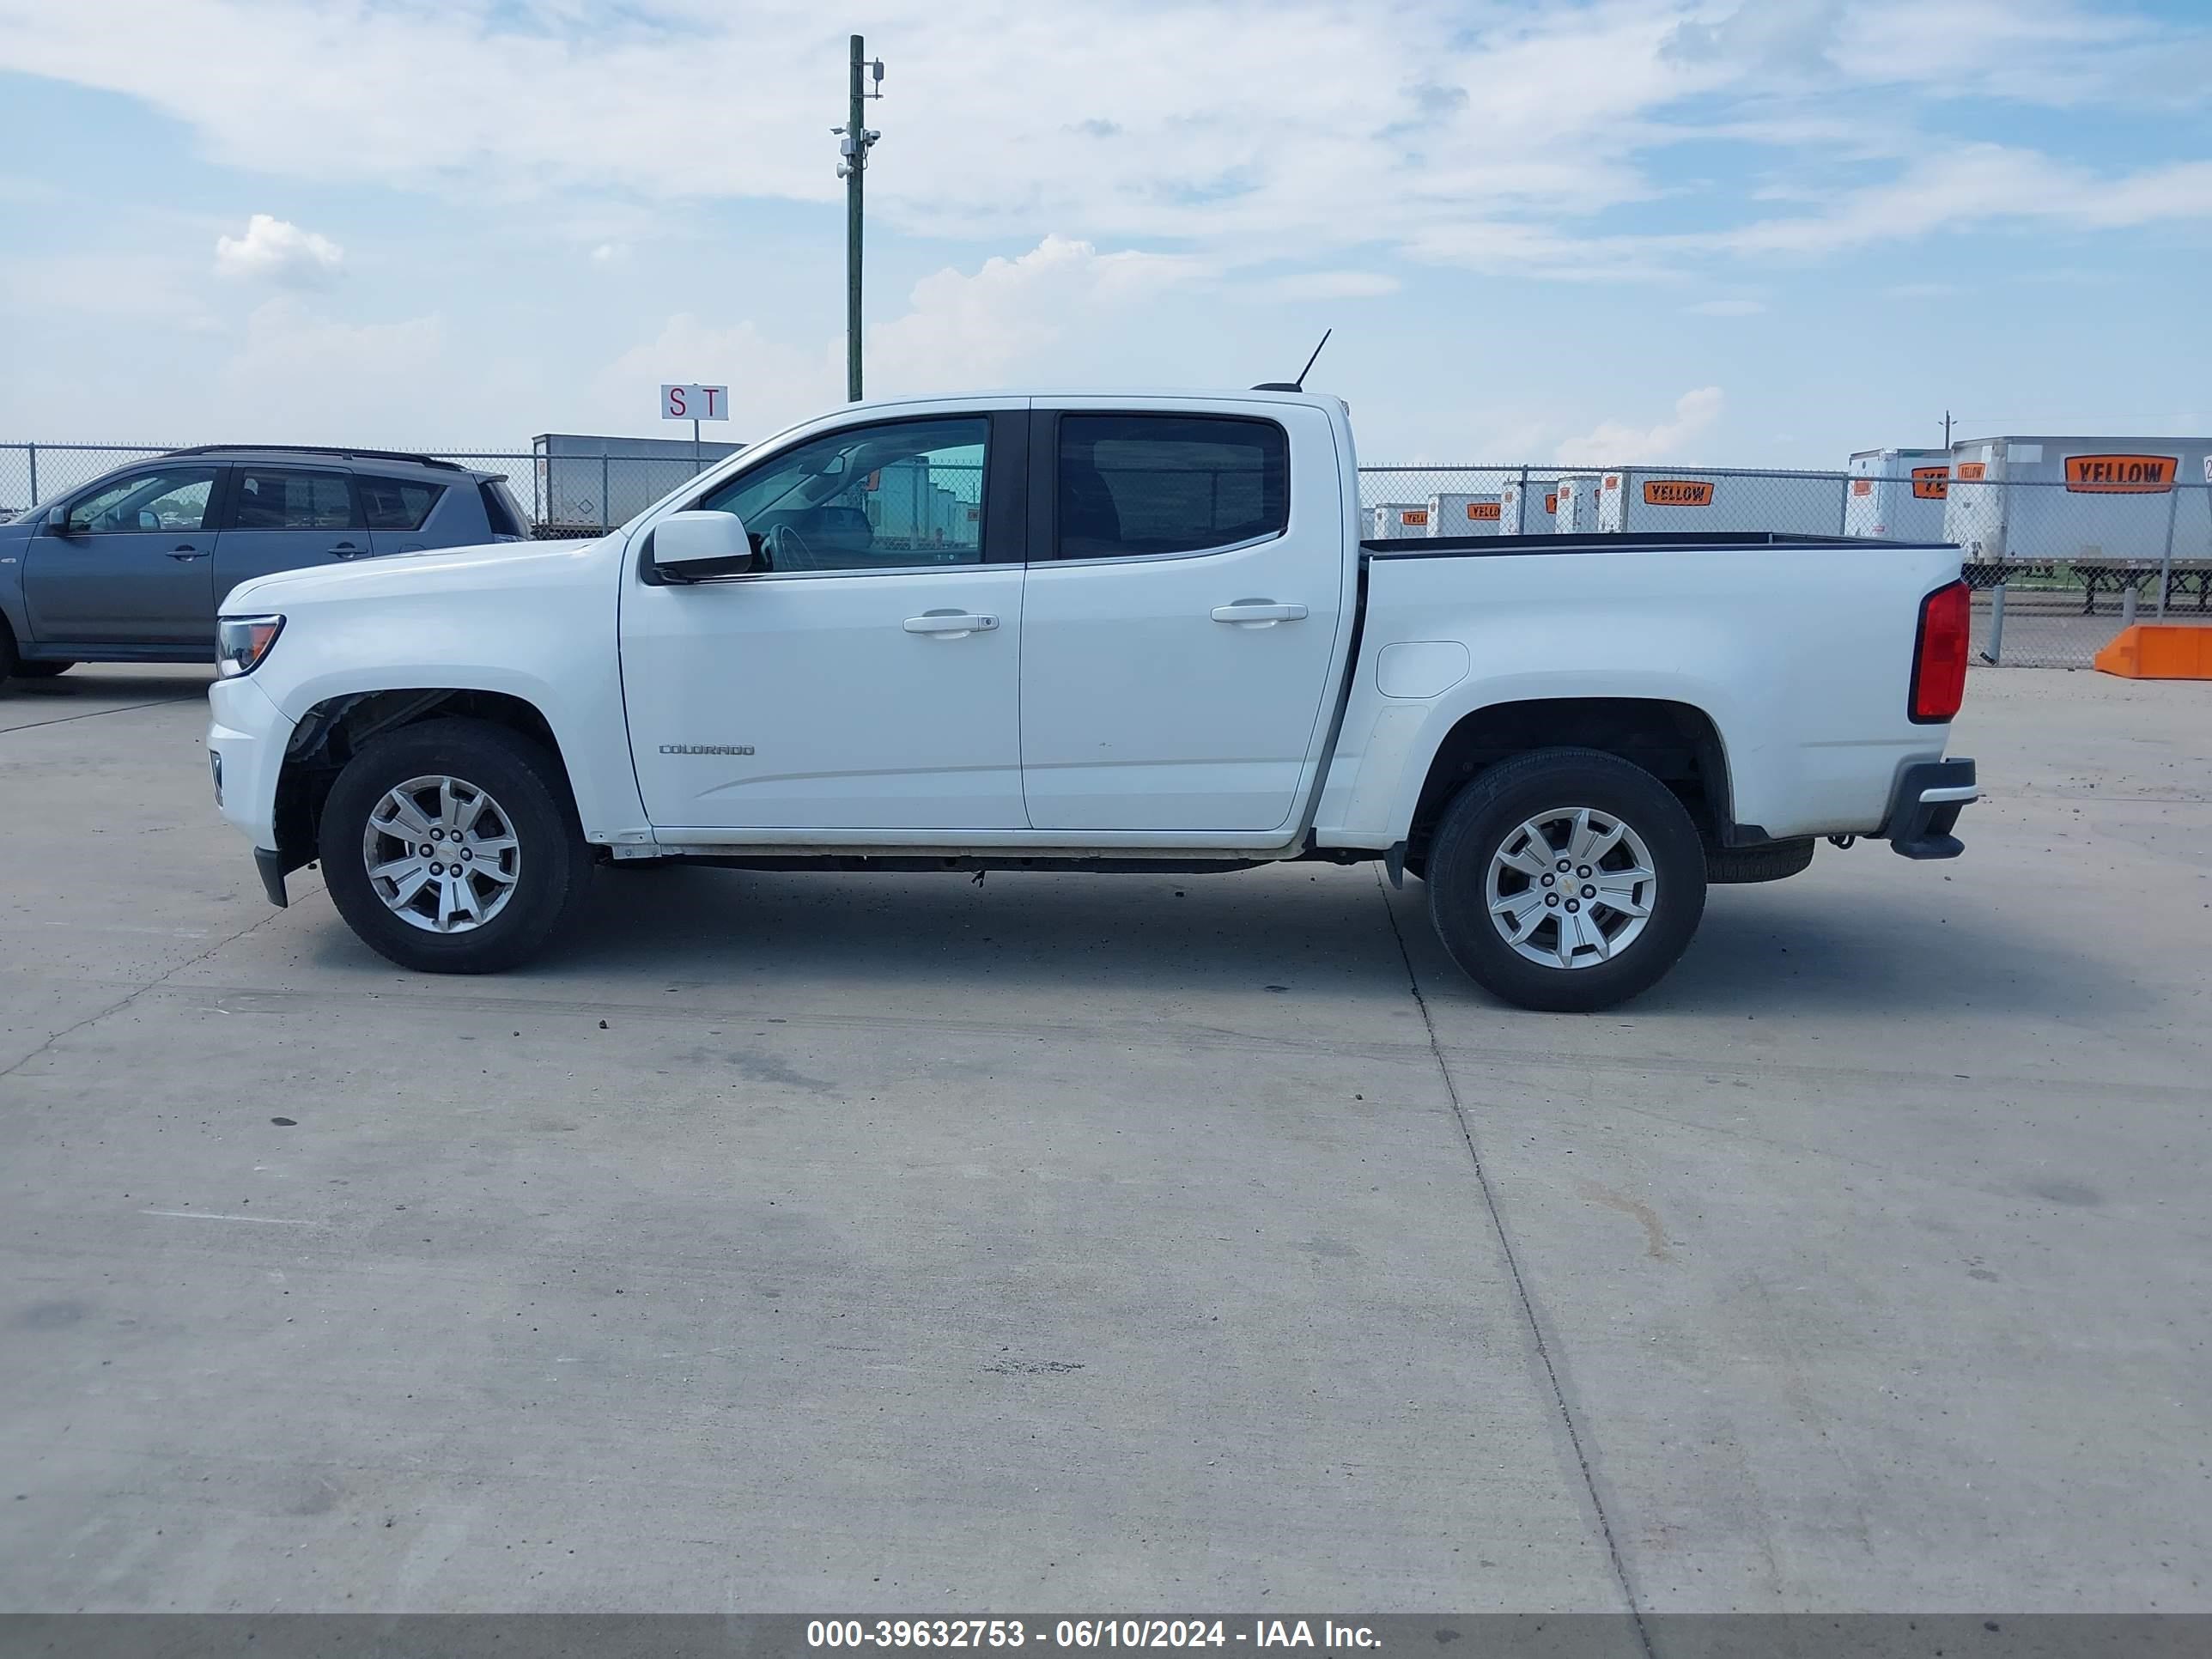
x: 133, y: 566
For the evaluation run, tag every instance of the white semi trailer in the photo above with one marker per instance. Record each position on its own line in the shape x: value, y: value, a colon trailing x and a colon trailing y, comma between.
x: 1662, y: 498
x: 1899, y: 494
x: 2028, y: 499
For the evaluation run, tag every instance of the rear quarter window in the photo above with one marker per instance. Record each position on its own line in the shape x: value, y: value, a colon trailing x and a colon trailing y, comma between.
x: 500, y: 510
x: 396, y: 503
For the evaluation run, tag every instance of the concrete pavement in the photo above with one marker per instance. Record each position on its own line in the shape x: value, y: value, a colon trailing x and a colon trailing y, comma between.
x: 880, y: 1243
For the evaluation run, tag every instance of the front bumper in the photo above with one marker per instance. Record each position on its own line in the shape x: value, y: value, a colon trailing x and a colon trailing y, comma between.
x: 1925, y: 807
x: 246, y: 737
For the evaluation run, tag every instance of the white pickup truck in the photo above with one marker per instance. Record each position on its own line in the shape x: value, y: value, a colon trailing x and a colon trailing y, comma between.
x: 1113, y: 633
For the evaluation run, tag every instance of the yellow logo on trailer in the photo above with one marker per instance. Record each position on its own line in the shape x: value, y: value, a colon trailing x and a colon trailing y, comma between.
x: 2121, y: 475
x: 1678, y: 492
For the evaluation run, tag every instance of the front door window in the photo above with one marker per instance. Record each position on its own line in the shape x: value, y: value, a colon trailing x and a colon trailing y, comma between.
x: 174, y: 499
x: 889, y: 496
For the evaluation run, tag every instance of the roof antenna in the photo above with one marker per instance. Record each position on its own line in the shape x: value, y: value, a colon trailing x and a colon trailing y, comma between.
x: 1298, y: 385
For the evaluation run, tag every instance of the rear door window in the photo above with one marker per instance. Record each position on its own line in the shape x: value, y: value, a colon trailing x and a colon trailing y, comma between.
x: 396, y: 503
x: 1133, y: 485
x: 272, y: 499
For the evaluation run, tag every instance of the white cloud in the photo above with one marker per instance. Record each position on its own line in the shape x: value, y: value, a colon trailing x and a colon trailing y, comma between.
x: 1005, y: 321
x: 1976, y: 185
x: 277, y: 251
x: 610, y: 253
x: 1784, y: 36
x: 1727, y: 309
x: 1614, y: 443
x: 1478, y: 137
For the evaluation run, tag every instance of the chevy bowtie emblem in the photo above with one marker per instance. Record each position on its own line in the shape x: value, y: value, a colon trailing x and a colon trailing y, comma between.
x: 705, y: 749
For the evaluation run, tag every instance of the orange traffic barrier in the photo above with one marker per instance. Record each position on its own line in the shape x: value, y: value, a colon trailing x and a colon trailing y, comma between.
x: 2159, y: 651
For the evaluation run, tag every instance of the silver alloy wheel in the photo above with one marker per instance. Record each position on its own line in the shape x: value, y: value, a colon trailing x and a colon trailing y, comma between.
x: 441, y: 854
x: 1572, y: 887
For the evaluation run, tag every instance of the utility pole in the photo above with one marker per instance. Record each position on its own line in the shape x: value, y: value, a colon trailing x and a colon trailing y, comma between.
x: 854, y: 143
x: 1946, y: 428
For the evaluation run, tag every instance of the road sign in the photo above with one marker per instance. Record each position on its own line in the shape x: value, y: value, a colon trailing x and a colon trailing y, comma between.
x: 695, y: 403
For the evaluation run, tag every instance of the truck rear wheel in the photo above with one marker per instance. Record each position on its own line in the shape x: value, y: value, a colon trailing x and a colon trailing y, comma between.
x: 1566, y: 880
x: 451, y: 847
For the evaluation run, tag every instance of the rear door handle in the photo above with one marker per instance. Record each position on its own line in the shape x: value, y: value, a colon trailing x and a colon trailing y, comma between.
x: 185, y: 552
x: 951, y: 624
x: 347, y: 550
x: 1258, y: 612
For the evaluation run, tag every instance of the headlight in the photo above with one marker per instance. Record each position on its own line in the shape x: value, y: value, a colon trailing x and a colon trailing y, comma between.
x: 241, y: 643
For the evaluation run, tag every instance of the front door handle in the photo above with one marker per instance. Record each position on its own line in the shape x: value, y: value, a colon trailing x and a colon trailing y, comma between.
x: 185, y: 552
x: 1258, y: 613
x: 949, y: 624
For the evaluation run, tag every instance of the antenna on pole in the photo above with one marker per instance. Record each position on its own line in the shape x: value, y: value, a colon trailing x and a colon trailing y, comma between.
x: 1298, y: 385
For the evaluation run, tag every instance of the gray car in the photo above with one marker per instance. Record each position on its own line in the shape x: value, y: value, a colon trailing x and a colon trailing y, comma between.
x: 134, y: 566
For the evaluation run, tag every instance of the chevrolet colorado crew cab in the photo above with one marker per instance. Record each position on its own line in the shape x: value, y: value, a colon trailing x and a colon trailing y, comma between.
x: 1112, y: 633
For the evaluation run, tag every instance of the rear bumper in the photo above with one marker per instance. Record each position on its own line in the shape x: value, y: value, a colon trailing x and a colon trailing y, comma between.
x: 1926, y: 808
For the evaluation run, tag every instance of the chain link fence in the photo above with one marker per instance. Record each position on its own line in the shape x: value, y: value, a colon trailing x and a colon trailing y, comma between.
x: 2057, y: 570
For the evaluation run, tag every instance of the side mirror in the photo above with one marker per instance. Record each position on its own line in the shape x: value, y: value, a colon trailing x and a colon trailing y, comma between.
x: 58, y: 523
x: 694, y: 547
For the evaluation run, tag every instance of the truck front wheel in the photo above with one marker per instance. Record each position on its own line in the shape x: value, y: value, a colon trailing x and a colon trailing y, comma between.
x: 451, y: 847
x: 1566, y: 880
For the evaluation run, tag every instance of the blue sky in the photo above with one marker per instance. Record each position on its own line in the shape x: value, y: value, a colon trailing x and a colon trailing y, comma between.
x: 1761, y: 235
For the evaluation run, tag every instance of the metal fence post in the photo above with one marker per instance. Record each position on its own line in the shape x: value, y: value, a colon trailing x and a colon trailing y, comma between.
x: 606, y: 497
x: 1521, y: 504
x: 1995, y: 654
x: 1843, y: 505
x: 2165, y: 563
x: 2127, y: 602
x: 32, y: 450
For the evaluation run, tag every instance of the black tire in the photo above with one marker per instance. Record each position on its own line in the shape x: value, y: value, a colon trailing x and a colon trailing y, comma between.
x: 42, y: 671
x: 1486, y: 819
x: 8, y: 660
x: 1740, y: 866
x: 553, y: 869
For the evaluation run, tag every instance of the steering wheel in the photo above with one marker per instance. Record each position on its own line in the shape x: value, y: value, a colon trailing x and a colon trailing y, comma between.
x: 787, y: 549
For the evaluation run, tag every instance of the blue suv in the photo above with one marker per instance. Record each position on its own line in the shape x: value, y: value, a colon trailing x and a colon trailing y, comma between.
x: 134, y: 566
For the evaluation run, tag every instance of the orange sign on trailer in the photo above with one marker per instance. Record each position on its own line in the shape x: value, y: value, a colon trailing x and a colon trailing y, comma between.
x: 1932, y: 484
x: 2121, y: 475
x: 1490, y: 512
x: 1678, y: 492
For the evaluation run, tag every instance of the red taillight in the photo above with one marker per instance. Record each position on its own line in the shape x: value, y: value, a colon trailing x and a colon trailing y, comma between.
x: 1939, y: 660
